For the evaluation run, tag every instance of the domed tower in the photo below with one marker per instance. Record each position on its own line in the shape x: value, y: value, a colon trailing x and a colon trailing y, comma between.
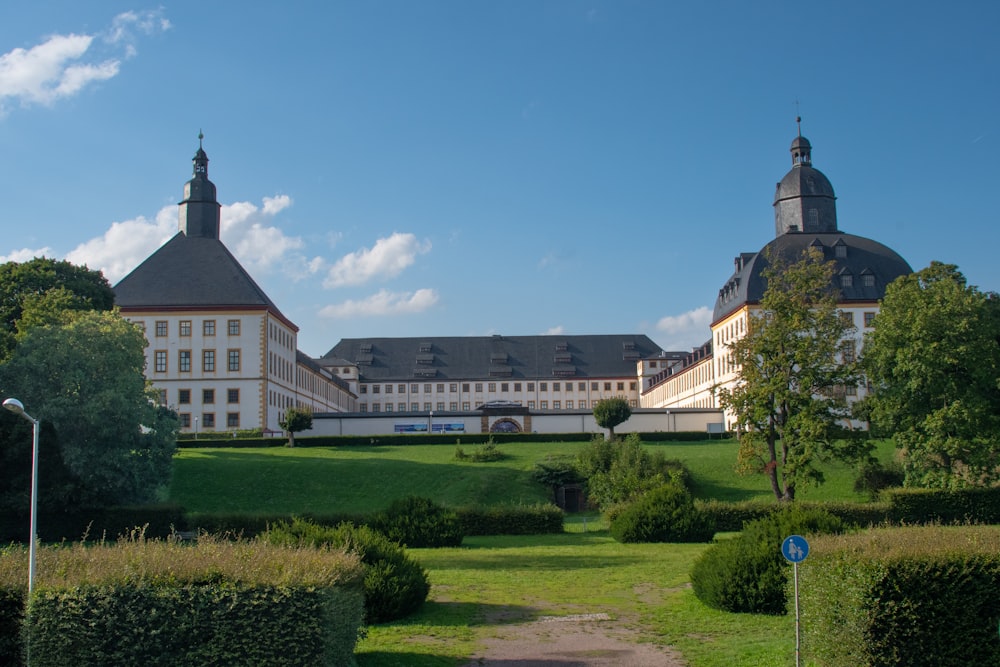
x: 804, y: 199
x: 200, y: 210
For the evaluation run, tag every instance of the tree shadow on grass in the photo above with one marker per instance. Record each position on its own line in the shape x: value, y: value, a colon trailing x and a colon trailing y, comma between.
x: 469, y: 614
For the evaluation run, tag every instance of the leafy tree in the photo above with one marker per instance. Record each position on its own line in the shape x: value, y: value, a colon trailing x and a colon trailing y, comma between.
x: 934, y: 362
x: 619, y: 471
x: 788, y: 397
x: 29, y: 283
x: 610, y: 412
x: 85, y: 377
x: 296, y: 419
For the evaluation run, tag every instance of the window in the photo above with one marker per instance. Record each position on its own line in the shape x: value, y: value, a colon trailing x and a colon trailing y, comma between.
x: 569, y: 387
x: 208, y: 396
x: 569, y: 405
x: 453, y: 387
x: 868, y: 280
x: 414, y: 406
x: 466, y: 405
x: 234, y: 360
x: 185, y: 328
x: 545, y: 405
x: 555, y: 386
x: 846, y: 280
x: 465, y: 387
x: 517, y: 386
x: 869, y: 320
x: 531, y: 386
x: 427, y: 406
x: 632, y: 386
x: 184, y: 360
x: 847, y: 351
x: 376, y: 407
x: 183, y: 396
x: 388, y: 407
x: 531, y: 405
x: 208, y: 328
x: 160, y: 361
x: 427, y: 389
x: 363, y: 389
x: 621, y: 386
x: 376, y: 389
x: 208, y: 361
x: 453, y: 406
x: 840, y: 251
x: 504, y: 387
x: 607, y: 386
x: 847, y: 318
x: 185, y: 419
x: 363, y: 407
x: 852, y: 390
x: 556, y: 405
x: 161, y: 327
x: 440, y: 388
x: 161, y: 396
x: 479, y: 387
x: 593, y: 386
x: 234, y: 327
x: 493, y: 387
x: 440, y: 406
x: 232, y: 420
x: 543, y: 386
x: 208, y: 420
x: 232, y: 396
x: 582, y: 386
x: 414, y: 388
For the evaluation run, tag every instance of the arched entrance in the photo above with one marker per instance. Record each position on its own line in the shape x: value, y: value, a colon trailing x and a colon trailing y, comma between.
x: 505, y: 425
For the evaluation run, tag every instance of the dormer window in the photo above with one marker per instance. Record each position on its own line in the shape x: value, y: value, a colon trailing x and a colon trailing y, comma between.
x: 840, y: 250
x: 846, y: 280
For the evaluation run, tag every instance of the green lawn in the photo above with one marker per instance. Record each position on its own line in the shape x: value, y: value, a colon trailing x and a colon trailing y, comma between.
x: 360, y: 479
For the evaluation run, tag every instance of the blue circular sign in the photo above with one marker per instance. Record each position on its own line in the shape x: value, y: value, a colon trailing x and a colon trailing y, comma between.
x: 795, y: 549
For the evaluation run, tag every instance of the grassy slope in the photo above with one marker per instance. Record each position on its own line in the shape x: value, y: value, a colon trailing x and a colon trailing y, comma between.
x: 360, y: 479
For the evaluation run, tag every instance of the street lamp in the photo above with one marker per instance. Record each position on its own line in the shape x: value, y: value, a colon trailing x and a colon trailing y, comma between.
x: 17, y: 408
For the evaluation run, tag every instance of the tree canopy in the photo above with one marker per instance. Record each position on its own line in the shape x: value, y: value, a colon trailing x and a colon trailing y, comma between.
x: 792, y: 375
x: 934, y: 362
x: 85, y: 377
x: 610, y: 412
x: 296, y: 419
x: 30, y: 285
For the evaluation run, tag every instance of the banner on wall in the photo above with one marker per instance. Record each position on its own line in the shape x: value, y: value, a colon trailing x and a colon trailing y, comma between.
x: 421, y: 427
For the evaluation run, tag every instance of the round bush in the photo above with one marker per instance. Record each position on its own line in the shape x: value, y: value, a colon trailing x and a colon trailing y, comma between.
x: 665, y: 514
x: 419, y: 522
x: 748, y: 574
x: 395, y: 584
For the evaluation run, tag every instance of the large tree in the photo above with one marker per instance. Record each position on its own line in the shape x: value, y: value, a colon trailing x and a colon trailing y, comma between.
x: 788, y: 400
x: 31, y: 282
x: 610, y: 412
x: 296, y: 419
x: 934, y: 362
x: 85, y: 377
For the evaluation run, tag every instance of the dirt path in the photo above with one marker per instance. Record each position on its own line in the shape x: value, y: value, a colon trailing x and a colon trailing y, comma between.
x: 582, y: 640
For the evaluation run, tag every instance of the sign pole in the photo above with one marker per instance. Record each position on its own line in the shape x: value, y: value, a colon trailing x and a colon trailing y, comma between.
x: 795, y: 574
x: 795, y: 548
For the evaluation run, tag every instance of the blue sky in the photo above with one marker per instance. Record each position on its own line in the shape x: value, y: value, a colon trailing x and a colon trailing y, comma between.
x: 464, y: 167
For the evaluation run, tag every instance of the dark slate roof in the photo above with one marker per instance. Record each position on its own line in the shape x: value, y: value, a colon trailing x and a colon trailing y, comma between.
x: 500, y: 357
x: 192, y: 272
x: 863, y: 256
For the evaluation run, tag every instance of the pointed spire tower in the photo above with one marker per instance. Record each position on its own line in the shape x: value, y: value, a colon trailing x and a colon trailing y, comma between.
x: 200, y: 210
x: 804, y: 200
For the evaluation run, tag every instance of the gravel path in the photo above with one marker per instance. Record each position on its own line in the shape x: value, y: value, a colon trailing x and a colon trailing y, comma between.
x: 582, y: 640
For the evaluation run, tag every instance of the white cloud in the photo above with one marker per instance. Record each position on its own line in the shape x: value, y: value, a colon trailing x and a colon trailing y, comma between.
x: 26, y: 255
x: 687, y: 330
x: 247, y: 232
x: 125, y: 244
x: 386, y: 259
x: 555, y: 331
x: 63, y: 65
x: 384, y: 303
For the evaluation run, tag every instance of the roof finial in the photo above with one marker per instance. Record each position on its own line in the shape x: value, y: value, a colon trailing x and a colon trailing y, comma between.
x: 201, y: 135
x: 798, y: 117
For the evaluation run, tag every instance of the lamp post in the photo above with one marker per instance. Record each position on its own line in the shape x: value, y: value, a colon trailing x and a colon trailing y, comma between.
x: 17, y: 408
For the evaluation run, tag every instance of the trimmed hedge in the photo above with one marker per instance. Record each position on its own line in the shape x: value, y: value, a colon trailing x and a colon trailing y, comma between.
x: 971, y: 505
x: 140, y: 602
x: 665, y: 514
x: 157, y: 521
x: 917, y: 596
x: 419, y: 522
x: 731, y: 517
x: 511, y: 520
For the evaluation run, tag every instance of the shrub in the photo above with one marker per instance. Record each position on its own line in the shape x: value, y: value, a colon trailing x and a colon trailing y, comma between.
x: 395, y: 585
x: 873, y: 477
x: 619, y: 471
x: 487, y: 453
x: 419, y: 522
x: 511, y: 520
x: 665, y: 514
x: 748, y: 573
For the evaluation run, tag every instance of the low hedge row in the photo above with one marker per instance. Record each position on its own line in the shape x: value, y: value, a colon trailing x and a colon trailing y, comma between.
x: 396, y: 439
x: 142, y: 602
x: 511, y: 520
x: 916, y: 596
x: 731, y: 517
x: 107, y: 523
x: 972, y: 505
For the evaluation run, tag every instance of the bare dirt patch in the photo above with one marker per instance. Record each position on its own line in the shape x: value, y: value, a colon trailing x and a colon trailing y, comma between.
x: 580, y: 640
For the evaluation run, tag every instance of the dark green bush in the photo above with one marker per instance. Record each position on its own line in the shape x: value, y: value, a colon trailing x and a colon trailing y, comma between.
x: 419, y: 522
x: 665, y: 514
x: 620, y: 470
x: 873, y: 477
x: 748, y: 573
x: 488, y: 452
x: 395, y: 585
x: 925, y: 596
x: 971, y: 505
x: 511, y: 520
x: 728, y: 517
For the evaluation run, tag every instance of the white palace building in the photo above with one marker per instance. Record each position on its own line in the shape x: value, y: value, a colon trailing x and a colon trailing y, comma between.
x: 222, y: 354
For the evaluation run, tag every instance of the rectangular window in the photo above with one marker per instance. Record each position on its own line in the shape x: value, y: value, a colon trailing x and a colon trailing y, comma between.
x: 868, y: 280
x: 847, y: 318
x: 517, y: 386
x: 208, y: 396
x: 607, y: 386
x: 569, y: 405
x: 184, y: 361
x: 479, y: 387
x: 160, y: 361
x: 363, y: 389
x: 234, y: 360
x: 427, y: 406
x: 234, y: 327
x: 453, y: 387
x: 632, y: 386
x: 185, y: 419
x: 232, y: 420
x: 569, y: 387
x: 543, y: 386
x: 208, y: 328
x: 555, y: 386
x: 363, y: 407
x: 466, y: 405
x: 161, y: 328
x: 465, y: 387
x: 869, y: 320
x: 453, y: 406
x: 531, y: 405
x: 427, y: 389
x: 232, y: 396
x: 504, y: 387
x: 376, y: 407
x: 208, y: 361
x: 208, y: 420
x: 161, y: 396
x: 402, y: 407
x: 847, y: 351
x: 388, y: 407
x: 401, y: 389
x: 493, y: 387
x: 414, y: 406
x: 440, y: 388
x: 440, y: 406
x: 183, y: 396
x: 531, y: 386
x: 545, y: 405
x: 846, y: 280
x: 582, y: 386
x: 376, y: 388
x: 593, y: 386
x: 414, y: 388
x: 556, y: 405
x: 621, y: 386
x: 185, y: 328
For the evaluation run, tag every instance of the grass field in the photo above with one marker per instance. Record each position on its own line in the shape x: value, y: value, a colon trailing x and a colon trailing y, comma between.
x: 360, y: 479
x: 491, y: 581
